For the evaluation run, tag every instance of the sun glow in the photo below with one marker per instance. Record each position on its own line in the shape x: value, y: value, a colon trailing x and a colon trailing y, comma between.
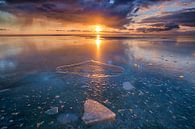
x: 98, y: 29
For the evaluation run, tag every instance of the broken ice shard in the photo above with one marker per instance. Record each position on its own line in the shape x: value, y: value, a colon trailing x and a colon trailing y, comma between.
x: 94, y: 112
x: 128, y: 86
x: 52, y: 111
x: 91, y: 69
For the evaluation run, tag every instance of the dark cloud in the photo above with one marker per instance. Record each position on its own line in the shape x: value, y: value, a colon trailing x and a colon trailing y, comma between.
x: 78, y: 11
x: 3, y: 29
x: 159, y: 27
x: 184, y: 17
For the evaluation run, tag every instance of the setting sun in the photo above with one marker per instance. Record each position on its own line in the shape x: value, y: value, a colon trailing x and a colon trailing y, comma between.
x: 98, y: 29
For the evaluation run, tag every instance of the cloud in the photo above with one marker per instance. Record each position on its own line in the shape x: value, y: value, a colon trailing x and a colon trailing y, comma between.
x: 184, y: 17
x: 3, y: 29
x: 159, y: 27
x: 113, y: 14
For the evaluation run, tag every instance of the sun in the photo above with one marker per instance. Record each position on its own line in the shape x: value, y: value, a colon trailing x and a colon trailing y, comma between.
x: 98, y: 29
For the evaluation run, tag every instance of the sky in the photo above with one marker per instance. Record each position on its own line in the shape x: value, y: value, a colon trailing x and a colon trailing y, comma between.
x: 83, y: 16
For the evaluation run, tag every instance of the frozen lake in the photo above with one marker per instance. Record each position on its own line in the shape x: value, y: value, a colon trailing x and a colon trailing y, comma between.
x: 148, y: 82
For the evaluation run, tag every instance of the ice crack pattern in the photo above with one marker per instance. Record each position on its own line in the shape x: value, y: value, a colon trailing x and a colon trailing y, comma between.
x: 91, y: 69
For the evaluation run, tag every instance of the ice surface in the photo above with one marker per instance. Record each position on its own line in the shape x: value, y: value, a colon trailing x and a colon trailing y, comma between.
x: 52, y: 111
x: 128, y: 86
x: 160, y: 99
x: 91, y: 69
x: 94, y: 112
x: 67, y: 118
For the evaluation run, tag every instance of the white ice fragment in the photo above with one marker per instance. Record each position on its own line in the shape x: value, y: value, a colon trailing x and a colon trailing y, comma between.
x: 57, y: 96
x: 52, y: 122
x: 67, y: 118
x: 21, y: 125
x: 11, y: 121
x: 39, y: 124
x: 94, y: 112
x: 136, y: 65
x: 181, y: 76
x: 84, y: 86
x: 15, y: 113
x: 39, y: 107
x: 2, y: 118
x: 52, y: 111
x: 4, y: 90
x: 128, y: 86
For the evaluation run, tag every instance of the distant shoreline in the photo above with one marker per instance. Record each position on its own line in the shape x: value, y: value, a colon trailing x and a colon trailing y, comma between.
x: 102, y: 35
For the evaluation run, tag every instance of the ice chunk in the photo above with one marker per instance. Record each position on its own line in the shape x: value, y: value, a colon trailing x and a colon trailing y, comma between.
x: 181, y: 76
x: 84, y: 86
x: 11, y: 121
x: 91, y: 69
x: 136, y: 65
x: 94, y: 112
x: 128, y: 86
x: 67, y: 118
x: 52, y: 111
x: 57, y: 96
x: 39, y: 124
x: 4, y: 90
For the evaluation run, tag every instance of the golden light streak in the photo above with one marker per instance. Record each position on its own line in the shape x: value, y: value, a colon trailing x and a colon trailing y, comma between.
x: 98, y: 42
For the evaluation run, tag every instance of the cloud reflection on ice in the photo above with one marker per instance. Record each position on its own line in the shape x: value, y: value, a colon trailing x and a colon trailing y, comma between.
x: 160, y: 55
